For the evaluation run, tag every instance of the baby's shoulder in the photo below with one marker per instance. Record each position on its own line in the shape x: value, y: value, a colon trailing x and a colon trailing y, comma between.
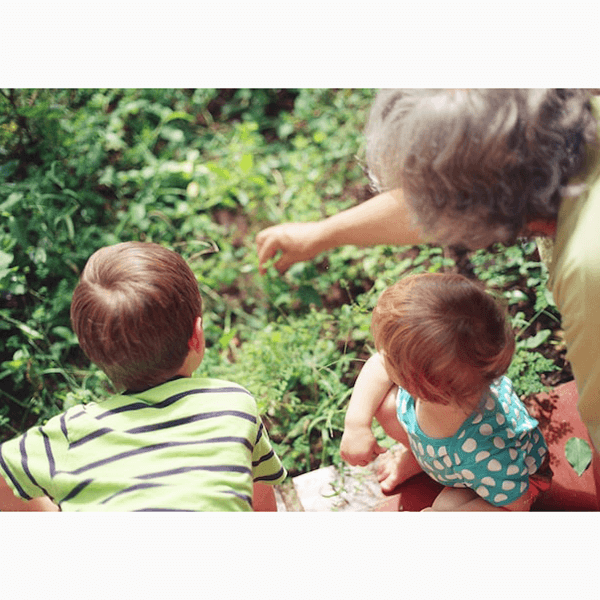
x: 500, y: 418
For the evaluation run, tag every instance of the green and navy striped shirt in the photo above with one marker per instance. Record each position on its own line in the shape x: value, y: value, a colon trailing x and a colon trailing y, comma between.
x: 193, y: 444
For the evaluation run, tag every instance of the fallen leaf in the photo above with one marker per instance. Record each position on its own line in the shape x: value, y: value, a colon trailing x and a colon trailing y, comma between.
x: 579, y: 454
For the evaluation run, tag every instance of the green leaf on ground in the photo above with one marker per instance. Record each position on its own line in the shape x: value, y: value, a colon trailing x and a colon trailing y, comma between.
x: 579, y: 454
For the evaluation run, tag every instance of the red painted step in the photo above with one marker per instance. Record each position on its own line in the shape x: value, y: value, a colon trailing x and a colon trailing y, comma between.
x: 560, y: 421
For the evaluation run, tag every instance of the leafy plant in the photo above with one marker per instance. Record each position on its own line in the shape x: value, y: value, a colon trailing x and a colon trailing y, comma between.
x: 298, y: 375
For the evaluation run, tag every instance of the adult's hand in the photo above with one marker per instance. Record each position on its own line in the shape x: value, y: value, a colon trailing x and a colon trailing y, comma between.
x: 295, y: 241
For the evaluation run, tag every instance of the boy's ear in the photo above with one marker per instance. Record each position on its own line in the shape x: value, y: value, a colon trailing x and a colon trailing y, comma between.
x: 196, y: 341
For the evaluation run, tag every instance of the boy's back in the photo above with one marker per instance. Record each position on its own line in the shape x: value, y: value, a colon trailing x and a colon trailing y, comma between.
x: 188, y: 444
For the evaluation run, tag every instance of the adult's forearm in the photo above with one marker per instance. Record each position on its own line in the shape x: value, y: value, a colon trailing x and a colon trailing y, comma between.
x: 382, y: 220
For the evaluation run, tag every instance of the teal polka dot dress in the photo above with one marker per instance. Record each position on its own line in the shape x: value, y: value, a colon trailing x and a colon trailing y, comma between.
x: 494, y: 452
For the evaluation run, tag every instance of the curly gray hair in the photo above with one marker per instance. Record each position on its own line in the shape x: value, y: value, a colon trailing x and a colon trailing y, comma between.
x: 476, y: 166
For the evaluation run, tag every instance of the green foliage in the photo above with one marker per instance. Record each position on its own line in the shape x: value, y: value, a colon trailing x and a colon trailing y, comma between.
x: 202, y: 171
x: 525, y: 370
x: 507, y: 271
x: 298, y: 369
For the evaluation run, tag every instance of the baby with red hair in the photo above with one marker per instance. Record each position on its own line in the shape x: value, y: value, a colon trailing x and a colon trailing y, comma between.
x: 437, y: 385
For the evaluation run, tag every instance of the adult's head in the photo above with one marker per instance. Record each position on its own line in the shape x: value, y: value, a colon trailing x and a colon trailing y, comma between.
x: 134, y: 311
x: 477, y: 166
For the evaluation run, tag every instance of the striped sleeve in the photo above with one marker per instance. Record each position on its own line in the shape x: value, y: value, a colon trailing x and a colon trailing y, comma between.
x: 27, y: 463
x: 266, y: 465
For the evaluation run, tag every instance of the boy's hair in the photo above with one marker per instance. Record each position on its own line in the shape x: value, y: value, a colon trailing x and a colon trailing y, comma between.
x: 133, y: 312
x: 476, y: 166
x: 443, y: 338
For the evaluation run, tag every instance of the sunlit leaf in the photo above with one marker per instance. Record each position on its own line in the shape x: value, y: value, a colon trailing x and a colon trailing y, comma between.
x: 537, y: 340
x: 579, y: 454
x: 5, y: 260
x: 178, y: 115
x: 246, y: 163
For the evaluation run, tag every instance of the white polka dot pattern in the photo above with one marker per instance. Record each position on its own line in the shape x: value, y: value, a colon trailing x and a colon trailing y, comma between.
x: 494, y: 466
x: 494, y: 452
x: 469, y: 445
x: 482, y: 455
x: 486, y: 429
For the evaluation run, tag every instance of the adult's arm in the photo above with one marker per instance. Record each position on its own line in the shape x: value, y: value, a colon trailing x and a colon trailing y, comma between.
x: 383, y: 219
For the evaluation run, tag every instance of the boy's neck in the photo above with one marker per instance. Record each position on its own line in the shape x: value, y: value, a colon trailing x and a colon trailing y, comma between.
x: 133, y: 392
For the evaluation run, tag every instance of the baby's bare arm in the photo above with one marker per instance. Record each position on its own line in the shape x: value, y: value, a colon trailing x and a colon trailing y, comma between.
x: 359, y: 446
x: 370, y: 390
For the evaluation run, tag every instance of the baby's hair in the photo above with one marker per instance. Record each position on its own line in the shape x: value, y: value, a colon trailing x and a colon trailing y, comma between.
x: 134, y: 311
x: 477, y: 166
x: 444, y: 339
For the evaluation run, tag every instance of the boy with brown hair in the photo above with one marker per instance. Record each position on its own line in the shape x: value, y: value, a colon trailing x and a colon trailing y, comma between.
x: 166, y: 440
